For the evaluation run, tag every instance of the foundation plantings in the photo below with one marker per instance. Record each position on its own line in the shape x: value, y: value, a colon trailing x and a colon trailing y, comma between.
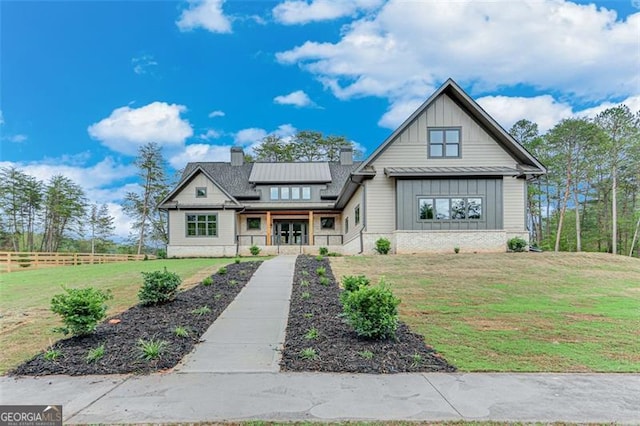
x: 153, y: 335
x: 355, y: 330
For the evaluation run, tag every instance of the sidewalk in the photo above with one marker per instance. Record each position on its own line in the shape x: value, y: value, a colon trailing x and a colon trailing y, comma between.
x: 249, y: 334
x: 201, y: 397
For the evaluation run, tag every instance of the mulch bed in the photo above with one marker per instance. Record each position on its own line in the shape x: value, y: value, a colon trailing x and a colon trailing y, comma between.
x: 338, y: 347
x: 122, y: 354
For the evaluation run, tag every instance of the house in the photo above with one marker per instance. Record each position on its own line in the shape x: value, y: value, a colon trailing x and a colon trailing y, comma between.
x: 448, y: 177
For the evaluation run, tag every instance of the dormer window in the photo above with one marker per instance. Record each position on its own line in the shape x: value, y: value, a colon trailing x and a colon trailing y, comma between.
x: 444, y: 143
x: 201, y: 192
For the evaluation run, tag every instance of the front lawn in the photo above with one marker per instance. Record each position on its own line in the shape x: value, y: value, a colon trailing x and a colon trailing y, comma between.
x: 26, y: 320
x: 535, y: 312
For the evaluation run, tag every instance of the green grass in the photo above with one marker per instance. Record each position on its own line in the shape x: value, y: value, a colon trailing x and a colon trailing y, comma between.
x: 533, y: 312
x: 25, y: 298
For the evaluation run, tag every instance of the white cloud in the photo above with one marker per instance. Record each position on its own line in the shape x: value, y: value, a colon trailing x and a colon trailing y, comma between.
x: 293, y: 12
x: 19, y: 138
x: 253, y: 136
x: 543, y: 110
x: 633, y: 102
x: 200, y: 152
x: 216, y: 113
x: 143, y: 64
x: 298, y: 98
x: 126, y: 129
x: 210, y: 134
x: 207, y: 14
x: 407, y: 49
x: 398, y: 111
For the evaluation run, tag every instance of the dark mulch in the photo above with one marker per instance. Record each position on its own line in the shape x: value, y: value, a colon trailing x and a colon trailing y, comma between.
x: 156, y: 322
x: 339, y: 348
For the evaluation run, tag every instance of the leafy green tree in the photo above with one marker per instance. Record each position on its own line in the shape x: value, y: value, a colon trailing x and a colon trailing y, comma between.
x: 101, y: 226
x: 64, y: 211
x: 274, y: 148
x: 306, y: 145
x: 149, y: 222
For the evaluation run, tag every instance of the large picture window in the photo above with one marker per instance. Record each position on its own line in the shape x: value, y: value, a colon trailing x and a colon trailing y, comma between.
x: 449, y: 208
x: 202, y: 225
x: 444, y: 143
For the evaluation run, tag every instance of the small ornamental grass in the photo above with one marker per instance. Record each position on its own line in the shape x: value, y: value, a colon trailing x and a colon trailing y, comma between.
x: 80, y: 309
x: 151, y: 349
x: 312, y: 334
x: 305, y: 295
x: 222, y: 270
x: 366, y: 354
x: 325, y: 281
x: 181, y: 332
x: 52, y: 354
x: 207, y: 281
x: 309, y: 354
x: 319, y: 258
x: 95, y: 354
x: 321, y: 271
x: 158, y: 287
x: 236, y: 260
x: 371, y: 311
x: 202, y: 310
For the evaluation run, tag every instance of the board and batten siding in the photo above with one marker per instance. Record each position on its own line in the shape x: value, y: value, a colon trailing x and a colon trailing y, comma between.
x: 514, y: 204
x: 349, y: 212
x: 408, y: 192
x: 409, y: 149
x: 178, y: 231
x: 188, y: 194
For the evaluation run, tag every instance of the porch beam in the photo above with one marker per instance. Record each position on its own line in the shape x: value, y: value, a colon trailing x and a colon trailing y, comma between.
x: 310, y: 242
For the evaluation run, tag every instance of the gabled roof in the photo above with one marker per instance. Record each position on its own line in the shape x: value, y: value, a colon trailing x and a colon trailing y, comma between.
x: 456, y: 93
x: 316, y: 172
x: 187, y: 175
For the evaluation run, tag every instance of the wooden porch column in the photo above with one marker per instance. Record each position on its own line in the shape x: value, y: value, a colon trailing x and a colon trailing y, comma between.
x: 268, y: 228
x: 310, y: 228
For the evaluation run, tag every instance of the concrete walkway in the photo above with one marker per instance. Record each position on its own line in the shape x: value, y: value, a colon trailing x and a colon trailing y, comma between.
x: 202, y: 397
x: 248, y: 336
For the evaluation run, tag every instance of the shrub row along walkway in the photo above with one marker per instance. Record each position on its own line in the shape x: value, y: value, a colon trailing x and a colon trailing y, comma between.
x: 249, y: 334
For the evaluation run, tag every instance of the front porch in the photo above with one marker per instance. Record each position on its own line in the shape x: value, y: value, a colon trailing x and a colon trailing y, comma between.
x: 289, y: 232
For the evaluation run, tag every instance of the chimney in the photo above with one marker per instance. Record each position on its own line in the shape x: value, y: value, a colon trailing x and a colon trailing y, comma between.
x: 237, y: 156
x: 346, y: 156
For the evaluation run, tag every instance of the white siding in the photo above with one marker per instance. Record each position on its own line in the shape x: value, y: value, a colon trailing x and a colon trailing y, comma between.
x: 514, y: 204
x: 188, y: 194
x: 349, y: 212
x: 178, y: 233
x: 409, y: 149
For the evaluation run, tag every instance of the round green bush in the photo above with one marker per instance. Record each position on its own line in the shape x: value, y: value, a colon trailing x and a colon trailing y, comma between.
x: 371, y: 311
x: 383, y: 246
x: 158, y: 287
x: 80, y: 309
x: 517, y: 244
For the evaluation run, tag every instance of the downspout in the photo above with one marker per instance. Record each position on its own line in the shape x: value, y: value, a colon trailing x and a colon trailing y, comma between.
x: 235, y: 229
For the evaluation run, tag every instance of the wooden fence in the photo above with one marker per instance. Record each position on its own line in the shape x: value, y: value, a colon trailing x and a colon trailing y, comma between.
x: 24, y: 261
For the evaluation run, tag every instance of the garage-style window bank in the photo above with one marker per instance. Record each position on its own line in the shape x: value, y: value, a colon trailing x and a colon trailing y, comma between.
x: 455, y: 208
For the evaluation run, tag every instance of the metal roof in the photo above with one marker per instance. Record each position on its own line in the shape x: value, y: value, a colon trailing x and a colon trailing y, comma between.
x: 451, y: 171
x: 290, y: 173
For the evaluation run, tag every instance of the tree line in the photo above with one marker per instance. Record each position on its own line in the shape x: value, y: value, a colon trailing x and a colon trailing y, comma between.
x: 39, y: 216
x: 589, y: 198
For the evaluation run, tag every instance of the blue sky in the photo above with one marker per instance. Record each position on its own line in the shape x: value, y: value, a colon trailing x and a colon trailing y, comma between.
x: 84, y: 83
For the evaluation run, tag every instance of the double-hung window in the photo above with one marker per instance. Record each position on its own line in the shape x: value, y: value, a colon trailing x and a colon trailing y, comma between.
x: 444, y: 143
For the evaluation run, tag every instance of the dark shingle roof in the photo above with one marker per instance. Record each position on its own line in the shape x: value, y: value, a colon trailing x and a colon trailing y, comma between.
x: 235, y: 179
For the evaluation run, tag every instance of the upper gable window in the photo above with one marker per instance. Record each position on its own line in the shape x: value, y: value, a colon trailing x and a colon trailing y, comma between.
x: 444, y: 143
x: 201, y: 192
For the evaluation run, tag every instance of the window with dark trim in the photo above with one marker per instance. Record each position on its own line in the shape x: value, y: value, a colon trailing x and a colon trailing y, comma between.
x: 356, y: 213
x: 274, y: 193
x: 202, y: 225
x: 450, y: 208
x: 328, y: 222
x: 201, y: 192
x: 253, y: 223
x: 346, y: 225
x: 444, y: 143
x: 306, y: 193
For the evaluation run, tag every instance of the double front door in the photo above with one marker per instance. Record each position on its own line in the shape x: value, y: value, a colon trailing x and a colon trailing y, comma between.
x: 291, y: 232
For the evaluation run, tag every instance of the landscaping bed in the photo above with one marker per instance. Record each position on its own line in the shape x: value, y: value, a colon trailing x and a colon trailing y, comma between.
x: 337, y: 347
x: 121, y: 334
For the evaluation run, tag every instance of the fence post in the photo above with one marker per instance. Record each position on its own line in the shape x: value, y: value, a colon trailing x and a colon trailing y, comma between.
x: 9, y: 262
x: 75, y: 259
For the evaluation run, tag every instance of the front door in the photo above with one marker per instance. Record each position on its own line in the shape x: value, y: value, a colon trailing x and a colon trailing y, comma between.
x: 290, y: 232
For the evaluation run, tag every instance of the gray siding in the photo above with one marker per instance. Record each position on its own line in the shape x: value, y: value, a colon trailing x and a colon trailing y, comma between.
x: 408, y: 191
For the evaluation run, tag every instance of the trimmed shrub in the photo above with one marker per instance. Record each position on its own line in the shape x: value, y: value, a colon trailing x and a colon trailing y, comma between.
x: 517, y: 244
x: 158, y: 287
x: 372, y: 311
x: 255, y: 250
x: 354, y: 282
x: 383, y: 246
x: 161, y: 254
x: 81, y: 309
x: 324, y: 251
